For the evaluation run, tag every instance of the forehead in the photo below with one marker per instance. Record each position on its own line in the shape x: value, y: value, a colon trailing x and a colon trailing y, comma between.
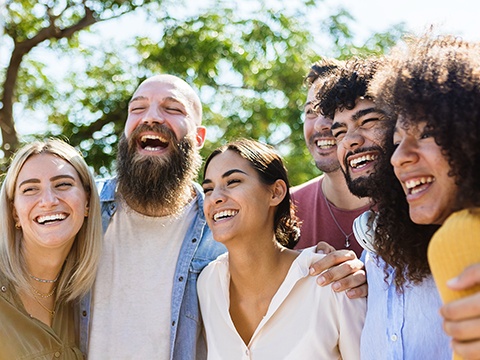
x: 226, y: 161
x: 46, y: 164
x: 345, y: 116
x: 312, y: 91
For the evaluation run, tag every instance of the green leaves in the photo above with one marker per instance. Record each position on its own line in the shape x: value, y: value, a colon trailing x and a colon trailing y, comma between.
x: 246, y: 61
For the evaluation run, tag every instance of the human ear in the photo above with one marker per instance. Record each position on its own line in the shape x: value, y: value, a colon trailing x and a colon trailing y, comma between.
x: 279, y: 191
x: 200, y: 135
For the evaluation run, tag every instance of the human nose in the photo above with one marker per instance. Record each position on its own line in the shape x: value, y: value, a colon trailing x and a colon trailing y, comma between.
x: 217, y: 196
x: 49, y: 198
x: 153, y: 116
x: 352, y: 139
x: 322, y: 124
x: 404, y: 154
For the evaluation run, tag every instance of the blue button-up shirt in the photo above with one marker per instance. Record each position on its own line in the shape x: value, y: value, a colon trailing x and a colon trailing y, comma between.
x: 198, y: 249
x: 401, y: 326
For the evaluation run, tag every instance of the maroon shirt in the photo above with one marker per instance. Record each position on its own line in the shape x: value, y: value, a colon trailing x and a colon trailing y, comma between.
x: 317, y: 222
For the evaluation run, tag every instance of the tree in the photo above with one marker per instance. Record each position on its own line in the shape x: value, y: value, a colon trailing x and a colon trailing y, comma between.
x: 248, y: 65
x: 30, y: 23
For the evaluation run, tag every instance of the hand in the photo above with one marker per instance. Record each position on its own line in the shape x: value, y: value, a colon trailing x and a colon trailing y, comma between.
x: 462, y: 317
x: 343, y: 270
x: 324, y: 248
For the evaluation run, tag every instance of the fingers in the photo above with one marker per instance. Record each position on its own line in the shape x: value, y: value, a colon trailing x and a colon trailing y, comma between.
x: 358, y: 292
x: 468, y: 278
x: 344, y: 271
x: 467, y: 350
x: 324, y: 248
x: 464, y: 330
x: 462, y: 309
x: 332, y: 259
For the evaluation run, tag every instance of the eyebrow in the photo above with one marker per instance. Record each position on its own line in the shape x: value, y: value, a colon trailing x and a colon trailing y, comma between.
x: 359, y: 114
x: 37, y: 181
x: 168, y: 98
x: 226, y: 174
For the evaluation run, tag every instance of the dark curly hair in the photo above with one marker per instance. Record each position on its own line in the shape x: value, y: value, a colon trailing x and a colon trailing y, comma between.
x: 269, y: 165
x: 345, y: 85
x: 320, y: 69
x: 436, y: 80
x: 398, y: 240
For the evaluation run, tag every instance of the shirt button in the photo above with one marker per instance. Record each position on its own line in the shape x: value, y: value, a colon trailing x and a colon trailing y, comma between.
x: 180, y: 278
x: 3, y: 288
x: 393, y: 337
x: 57, y: 354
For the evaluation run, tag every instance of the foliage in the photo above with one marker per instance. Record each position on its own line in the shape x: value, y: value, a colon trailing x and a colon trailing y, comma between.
x: 247, y: 64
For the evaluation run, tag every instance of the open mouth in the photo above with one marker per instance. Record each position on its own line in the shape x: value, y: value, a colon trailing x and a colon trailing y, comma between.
x: 362, y: 161
x: 225, y: 214
x: 153, y: 142
x: 415, y: 186
x: 48, y: 219
x: 325, y: 144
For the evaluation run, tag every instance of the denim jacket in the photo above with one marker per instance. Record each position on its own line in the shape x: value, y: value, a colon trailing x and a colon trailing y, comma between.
x: 198, y: 249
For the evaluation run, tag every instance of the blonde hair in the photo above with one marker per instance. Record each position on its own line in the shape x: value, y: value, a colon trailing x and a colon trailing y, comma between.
x: 81, y: 263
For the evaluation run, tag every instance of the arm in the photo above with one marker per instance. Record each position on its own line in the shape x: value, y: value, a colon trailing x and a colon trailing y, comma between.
x: 342, y: 269
x: 462, y: 317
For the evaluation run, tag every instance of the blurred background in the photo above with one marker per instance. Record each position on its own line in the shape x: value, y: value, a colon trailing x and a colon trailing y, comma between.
x: 69, y: 67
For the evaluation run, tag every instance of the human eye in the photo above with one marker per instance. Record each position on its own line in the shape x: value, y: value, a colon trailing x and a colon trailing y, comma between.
x: 338, y: 134
x: 207, y: 189
x: 310, y: 113
x: 28, y: 190
x: 233, y: 181
x: 64, y: 185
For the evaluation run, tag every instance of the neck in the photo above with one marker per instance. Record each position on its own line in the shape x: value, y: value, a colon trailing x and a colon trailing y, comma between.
x: 336, y: 191
x: 161, y: 211
x: 251, y: 270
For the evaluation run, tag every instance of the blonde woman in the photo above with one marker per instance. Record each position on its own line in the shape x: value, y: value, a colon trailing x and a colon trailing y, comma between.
x: 50, y: 241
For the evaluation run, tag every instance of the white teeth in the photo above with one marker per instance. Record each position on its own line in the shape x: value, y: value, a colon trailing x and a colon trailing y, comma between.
x: 224, y: 214
x: 152, y: 137
x: 361, y: 161
x: 44, y: 219
x: 412, y: 184
x: 325, y: 144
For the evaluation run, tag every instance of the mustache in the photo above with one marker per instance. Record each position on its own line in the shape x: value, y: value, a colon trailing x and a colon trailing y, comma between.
x: 324, y: 134
x: 161, y: 129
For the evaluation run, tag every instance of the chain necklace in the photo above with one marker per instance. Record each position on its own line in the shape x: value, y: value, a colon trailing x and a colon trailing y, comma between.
x: 44, y: 280
x: 51, y: 312
x: 44, y: 295
x: 347, y: 236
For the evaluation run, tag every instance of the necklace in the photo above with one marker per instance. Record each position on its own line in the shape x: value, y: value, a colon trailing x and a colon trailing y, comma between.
x: 51, y: 312
x: 347, y: 236
x: 44, y: 280
x: 43, y: 295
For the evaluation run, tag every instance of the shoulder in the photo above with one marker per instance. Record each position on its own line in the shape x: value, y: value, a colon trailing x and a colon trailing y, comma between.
x: 463, y: 220
x: 307, y: 186
x: 215, y: 270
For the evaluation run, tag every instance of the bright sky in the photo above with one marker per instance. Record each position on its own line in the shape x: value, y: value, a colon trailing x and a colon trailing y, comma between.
x: 458, y: 17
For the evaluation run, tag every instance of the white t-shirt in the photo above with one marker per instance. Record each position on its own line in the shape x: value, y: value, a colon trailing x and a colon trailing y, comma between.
x: 132, y: 294
x: 304, y: 321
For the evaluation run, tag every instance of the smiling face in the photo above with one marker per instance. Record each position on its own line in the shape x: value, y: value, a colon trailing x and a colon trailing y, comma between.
x: 237, y: 203
x: 318, y: 134
x: 359, y: 134
x: 50, y: 202
x: 163, y: 100
x: 423, y: 172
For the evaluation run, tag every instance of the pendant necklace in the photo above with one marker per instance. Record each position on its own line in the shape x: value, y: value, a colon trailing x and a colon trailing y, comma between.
x: 347, y: 236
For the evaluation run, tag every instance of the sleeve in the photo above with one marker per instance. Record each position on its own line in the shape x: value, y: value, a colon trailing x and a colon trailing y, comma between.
x: 351, y: 317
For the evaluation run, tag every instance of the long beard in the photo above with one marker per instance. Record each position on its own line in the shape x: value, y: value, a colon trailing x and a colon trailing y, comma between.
x: 155, y: 182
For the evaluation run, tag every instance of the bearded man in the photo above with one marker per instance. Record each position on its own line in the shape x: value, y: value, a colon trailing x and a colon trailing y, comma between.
x: 144, y: 303
x: 156, y: 239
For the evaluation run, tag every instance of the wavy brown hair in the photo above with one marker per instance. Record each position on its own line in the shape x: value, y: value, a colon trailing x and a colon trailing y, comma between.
x: 270, y: 168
